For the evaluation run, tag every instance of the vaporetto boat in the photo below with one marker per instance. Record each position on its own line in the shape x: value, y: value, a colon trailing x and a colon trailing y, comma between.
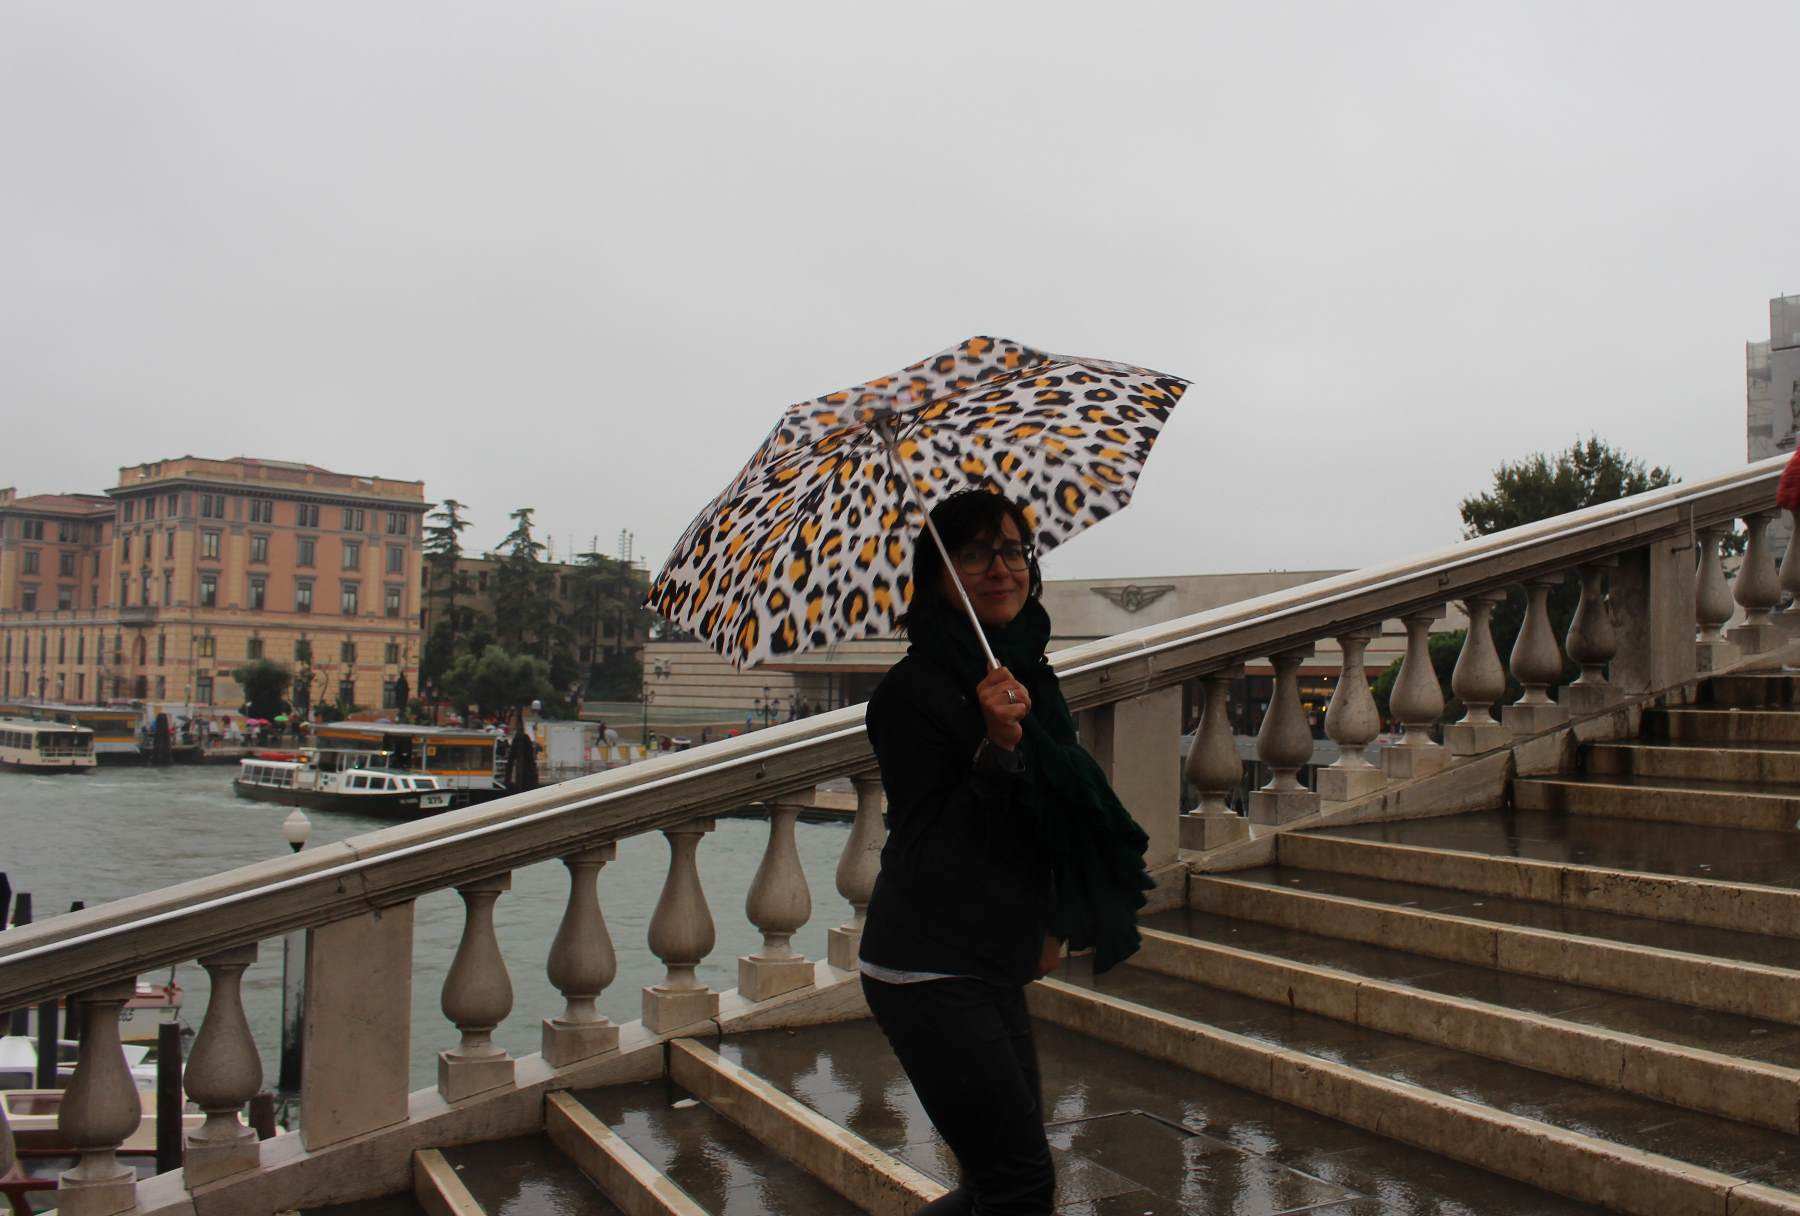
x: 45, y: 747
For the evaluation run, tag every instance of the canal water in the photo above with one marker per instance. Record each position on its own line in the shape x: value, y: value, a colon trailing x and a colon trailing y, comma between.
x: 122, y: 831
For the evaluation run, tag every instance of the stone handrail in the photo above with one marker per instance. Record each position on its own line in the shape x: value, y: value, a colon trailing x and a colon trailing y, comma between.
x: 142, y: 933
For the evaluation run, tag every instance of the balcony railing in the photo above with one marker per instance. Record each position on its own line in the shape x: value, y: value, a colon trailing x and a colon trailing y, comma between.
x: 1654, y: 599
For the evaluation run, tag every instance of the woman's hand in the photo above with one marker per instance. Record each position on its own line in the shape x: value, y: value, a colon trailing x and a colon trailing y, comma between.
x: 1004, y: 704
x: 1050, y: 957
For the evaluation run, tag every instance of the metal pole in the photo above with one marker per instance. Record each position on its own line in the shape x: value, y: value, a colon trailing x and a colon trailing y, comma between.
x: 168, y: 1097
x: 19, y: 1021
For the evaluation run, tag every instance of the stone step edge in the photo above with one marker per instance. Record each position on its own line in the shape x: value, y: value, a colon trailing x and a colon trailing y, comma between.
x: 436, y: 1188
x: 865, y: 1175
x: 1738, y: 748
x: 1647, y: 785
x: 1710, y: 902
x: 1719, y: 810
x: 1746, y: 1090
x: 1583, y: 1167
x: 1727, y: 985
x: 620, y: 1171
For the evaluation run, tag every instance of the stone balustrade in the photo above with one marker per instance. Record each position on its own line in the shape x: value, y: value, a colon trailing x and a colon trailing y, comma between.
x: 1652, y: 585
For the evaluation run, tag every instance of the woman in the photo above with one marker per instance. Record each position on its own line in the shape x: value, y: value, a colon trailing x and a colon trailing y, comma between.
x: 1004, y: 842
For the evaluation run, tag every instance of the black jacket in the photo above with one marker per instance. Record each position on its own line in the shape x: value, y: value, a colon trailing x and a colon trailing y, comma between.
x: 963, y: 887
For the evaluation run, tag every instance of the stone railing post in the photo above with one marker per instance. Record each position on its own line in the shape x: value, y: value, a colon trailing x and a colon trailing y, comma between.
x: 1537, y: 664
x: 1478, y: 682
x: 1653, y: 598
x: 681, y: 935
x: 1757, y: 589
x: 1592, y: 642
x: 857, y: 869
x: 223, y: 1073
x: 1418, y: 702
x: 1713, y: 604
x: 1352, y: 721
x: 354, y: 1062
x: 778, y: 904
x: 1284, y: 744
x: 477, y: 997
x: 1136, y: 741
x: 581, y: 965
x: 100, y: 1108
x: 1214, y: 769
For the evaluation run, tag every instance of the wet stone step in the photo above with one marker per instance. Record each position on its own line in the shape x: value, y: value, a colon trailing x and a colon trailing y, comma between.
x: 1725, y: 944
x: 723, y: 1168
x: 1684, y: 850
x: 1132, y: 1135
x: 1751, y: 1153
x: 1682, y: 1025
x: 1721, y: 726
x: 388, y: 1205
x: 1768, y: 768
x: 526, y: 1176
x: 1750, y: 691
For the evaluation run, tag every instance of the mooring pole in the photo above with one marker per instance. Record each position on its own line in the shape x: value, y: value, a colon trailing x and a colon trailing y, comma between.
x: 168, y: 1097
x: 19, y: 1022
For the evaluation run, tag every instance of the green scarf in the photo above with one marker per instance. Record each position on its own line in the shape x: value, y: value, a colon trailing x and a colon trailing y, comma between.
x: 1093, y: 845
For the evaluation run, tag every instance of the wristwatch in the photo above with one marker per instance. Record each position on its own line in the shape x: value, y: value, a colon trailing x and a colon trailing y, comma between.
x: 989, y: 756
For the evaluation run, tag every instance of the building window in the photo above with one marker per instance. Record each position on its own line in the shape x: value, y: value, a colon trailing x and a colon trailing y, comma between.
x: 308, y: 550
x: 392, y: 604
x: 65, y: 598
x: 209, y: 591
x: 31, y: 529
x: 253, y: 649
x: 212, y: 506
x: 306, y: 515
x: 346, y: 694
x: 31, y: 562
x: 262, y: 511
x: 302, y: 651
x: 81, y: 686
x: 396, y: 560
x: 143, y: 586
x: 127, y: 513
x: 206, y: 648
x: 346, y: 652
x: 209, y: 543
x: 391, y: 653
x: 81, y: 648
x: 396, y: 523
x: 259, y: 548
x: 162, y: 649
x: 119, y: 649
x: 390, y: 695
x: 162, y: 687
x: 28, y: 600
x: 203, y: 689
x: 25, y: 649
x: 124, y: 585
x: 347, y: 597
x: 168, y: 587
x: 302, y: 597
x: 353, y: 519
x: 259, y: 592
x: 125, y: 548
x: 150, y: 507
x: 65, y: 565
x: 352, y: 555
x: 171, y: 505
x: 169, y: 545
x: 62, y: 646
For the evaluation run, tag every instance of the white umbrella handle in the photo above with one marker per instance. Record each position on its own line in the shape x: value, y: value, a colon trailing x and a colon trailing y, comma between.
x: 962, y: 593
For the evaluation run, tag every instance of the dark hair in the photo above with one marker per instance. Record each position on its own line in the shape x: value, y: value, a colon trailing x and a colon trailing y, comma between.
x: 964, y: 516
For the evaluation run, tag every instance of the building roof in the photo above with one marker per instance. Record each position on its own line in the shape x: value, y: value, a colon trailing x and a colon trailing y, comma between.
x: 61, y: 504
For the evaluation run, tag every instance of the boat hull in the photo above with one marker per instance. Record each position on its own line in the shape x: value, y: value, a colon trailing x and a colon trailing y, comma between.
x: 402, y: 804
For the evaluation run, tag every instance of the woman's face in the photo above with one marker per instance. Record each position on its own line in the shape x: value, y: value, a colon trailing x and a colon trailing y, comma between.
x: 995, y: 589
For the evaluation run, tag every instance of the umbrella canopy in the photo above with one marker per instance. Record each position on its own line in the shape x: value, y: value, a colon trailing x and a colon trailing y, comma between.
x: 811, y: 543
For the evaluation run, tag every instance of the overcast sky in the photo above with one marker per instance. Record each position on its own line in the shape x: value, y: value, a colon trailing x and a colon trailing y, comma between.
x: 578, y: 256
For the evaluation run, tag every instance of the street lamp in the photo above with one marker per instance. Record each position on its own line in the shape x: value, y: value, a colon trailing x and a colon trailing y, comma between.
x: 295, y: 829
x: 644, y: 730
x: 765, y: 705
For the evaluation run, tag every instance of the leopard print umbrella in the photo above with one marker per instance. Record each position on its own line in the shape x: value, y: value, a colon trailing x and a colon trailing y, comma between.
x: 811, y: 543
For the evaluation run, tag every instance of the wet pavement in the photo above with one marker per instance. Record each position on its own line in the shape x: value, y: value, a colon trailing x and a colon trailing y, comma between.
x: 526, y: 1176
x: 388, y: 1205
x: 1132, y: 1135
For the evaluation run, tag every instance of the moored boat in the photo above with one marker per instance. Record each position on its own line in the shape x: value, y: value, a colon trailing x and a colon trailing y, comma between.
x: 45, y: 747
x: 114, y: 727
x: 398, y: 772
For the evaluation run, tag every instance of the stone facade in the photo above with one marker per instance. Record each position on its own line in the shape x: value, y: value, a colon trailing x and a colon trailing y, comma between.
x: 187, y: 568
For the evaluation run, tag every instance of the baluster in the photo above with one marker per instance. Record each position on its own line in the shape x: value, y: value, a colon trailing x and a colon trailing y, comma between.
x: 1756, y: 589
x: 1352, y: 721
x: 778, y: 904
x: 1214, y: 769
x: 1284, y: 744
x: 477, y: 997
x: 1713, y: 605
x: 1788, y: 619
x: 681, y: 935
x: 581, y: 965
x: 857, y: 869
x: 1592, y: 642
x: 1537, y: 664
x: 1418, y: 702
x: 100, y: 1108
x: 1478, y: 682
x: 223, y: 1073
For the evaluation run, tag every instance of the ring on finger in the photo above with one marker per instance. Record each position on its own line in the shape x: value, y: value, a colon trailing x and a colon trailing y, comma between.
x: 1010, y: 697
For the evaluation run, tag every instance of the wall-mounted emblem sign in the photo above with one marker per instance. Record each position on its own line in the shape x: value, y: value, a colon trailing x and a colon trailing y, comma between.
x: 1132, y: 597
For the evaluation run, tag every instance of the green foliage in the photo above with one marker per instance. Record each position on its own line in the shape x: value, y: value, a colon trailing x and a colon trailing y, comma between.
x: 524, y: 606
x: 616, y: 676
x: 445, y: 586
x: 264, y: 682
x: 1444, y: 648
x: 1543, y: 486
x: 498, y: 681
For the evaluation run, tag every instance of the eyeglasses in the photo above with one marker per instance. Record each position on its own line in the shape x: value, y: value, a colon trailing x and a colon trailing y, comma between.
x: 975, y: 559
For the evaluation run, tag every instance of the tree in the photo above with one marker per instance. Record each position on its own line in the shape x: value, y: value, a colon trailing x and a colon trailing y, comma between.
x: 264, y: 682
x: 523, y: 606
x: 497, y: 681
x: 445, y: 583
x: 1543, y: 486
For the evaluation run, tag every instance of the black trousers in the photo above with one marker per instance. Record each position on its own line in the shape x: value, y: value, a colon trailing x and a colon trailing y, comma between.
x: 965, y: 1044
